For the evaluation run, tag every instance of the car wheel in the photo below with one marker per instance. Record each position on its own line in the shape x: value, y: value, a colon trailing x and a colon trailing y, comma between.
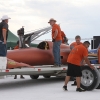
x: 90, y: 78
x: 34, y: 76
x: 46, y: 76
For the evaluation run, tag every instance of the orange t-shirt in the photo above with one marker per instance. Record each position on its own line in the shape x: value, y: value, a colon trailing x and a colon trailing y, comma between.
x: 56, y: 27
x: 62, y: 35
x: 77, y: 54
x: 16, y: 47
x: 74, y: 44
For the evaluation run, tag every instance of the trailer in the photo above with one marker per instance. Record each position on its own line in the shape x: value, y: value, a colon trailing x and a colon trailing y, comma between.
x: 90, y: 78
x: 45, y: 70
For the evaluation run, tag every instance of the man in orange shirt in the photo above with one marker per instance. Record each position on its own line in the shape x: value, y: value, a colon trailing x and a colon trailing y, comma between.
x: 64, y: 38
x: 74, y: 60
x: 56, y: 39
x: 78, y: 42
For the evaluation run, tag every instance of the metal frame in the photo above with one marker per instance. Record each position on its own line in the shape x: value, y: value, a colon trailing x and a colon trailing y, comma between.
x: 36, y: 34
x: 37, y: 70
x: 28, y: 38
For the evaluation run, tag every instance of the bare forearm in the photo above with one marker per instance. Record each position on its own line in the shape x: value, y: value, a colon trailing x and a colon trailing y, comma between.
x: 4, y: 34
x: 87, y: 61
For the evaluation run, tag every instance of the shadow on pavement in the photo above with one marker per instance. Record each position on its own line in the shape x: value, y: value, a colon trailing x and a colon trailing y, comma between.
x: 13, y: 84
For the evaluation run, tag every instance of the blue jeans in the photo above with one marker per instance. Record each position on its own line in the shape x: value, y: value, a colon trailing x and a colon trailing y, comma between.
x: 56, y: 52
x: 3, y: 49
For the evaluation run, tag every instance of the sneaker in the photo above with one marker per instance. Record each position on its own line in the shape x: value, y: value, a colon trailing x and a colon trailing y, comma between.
x: 74, y: 84
x: 80, y: 90
x: 21, y: 76
x: 65, y: 88
x: 15, y: 77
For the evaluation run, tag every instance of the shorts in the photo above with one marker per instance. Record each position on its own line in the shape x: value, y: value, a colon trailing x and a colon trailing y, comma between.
x: 74, y: 70
x: 3, y: 49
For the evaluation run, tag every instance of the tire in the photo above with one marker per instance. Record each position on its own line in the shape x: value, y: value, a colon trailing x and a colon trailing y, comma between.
x: 98, y: 73
x: 34, y: 76
x: 90, y: 78
x: 46, y: 76
x: 98, y: 87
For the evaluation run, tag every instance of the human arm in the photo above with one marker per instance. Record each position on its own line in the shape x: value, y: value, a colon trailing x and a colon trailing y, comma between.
x: 65, y: 39
x: 4, y: 31
x: 4, y: 35
x: 72, y: 46
x: 55, y: 35
x: 85, y: 57
x: 83, y: 62
x: 88, y: 62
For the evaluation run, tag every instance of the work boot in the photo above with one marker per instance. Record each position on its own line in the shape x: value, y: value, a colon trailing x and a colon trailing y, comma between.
x: 15, y: 77
x: 80, y: 90
x: 65, y: 88
x: 21, y: 77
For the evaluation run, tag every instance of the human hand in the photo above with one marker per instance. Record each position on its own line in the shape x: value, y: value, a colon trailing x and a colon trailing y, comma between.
x: 53, y: 40
x: 92, y: 67
x: 5, y: 41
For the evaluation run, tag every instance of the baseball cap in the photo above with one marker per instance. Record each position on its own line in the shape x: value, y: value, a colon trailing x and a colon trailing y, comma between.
x: 5, y: 17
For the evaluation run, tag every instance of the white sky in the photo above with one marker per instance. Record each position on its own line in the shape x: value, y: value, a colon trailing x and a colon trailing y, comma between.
x: 76, y: 17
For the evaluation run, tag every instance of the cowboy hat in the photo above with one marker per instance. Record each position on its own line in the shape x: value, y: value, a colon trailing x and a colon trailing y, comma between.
x: 52, y: 20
